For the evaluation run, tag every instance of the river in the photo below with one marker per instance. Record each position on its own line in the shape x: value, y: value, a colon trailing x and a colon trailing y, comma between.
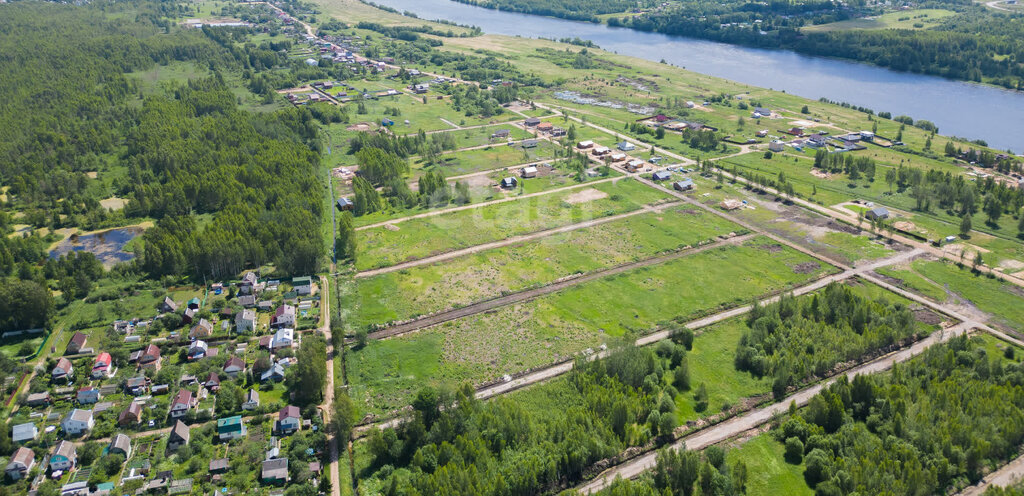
x: 958, y: 108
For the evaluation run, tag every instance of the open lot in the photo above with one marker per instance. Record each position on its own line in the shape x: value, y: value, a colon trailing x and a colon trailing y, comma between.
x: 422, y: 237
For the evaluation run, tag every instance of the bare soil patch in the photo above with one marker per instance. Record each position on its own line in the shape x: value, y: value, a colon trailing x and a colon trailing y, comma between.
x: 113, y: 203
x: 391, y: 227
x: 586, y: 195
x: 927, y: 316
x: 772, y: 248
x: 362, y: 126
x: 806, y: 267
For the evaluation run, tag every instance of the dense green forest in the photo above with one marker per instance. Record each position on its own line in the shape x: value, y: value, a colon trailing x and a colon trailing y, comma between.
x: 510, y: 446
x: 937, y: 422
x: 796, y: 338
x: 227, y: 188
x: 977, y: 44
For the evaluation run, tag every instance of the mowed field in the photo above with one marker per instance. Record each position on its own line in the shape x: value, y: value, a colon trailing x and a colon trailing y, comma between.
x: 440, y: 286
x: 422, y: 237
x: 384, y: 374
x: 906, y: 19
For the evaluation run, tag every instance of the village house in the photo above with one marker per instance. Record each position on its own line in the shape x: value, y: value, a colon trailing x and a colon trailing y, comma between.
x: 120, y: 444
x: 38, y: 399
x: 661, y: 176
x: 274, y: 373
x: 203, y: 329
x: 284, y: 316
x: 776, y: 146
x: 618, y: 157
x: 532, y: 122
x: 557, y: 132
x: 274, y: 471
x: 188, y: 316
x: 545, y: 127
x: 501, y: 133
x: 64, y: 456
x: 684, y: 185
x: 230, y: 428
x: 218, y: 466
x: 212, y: 382
x: 529, y: 172
x: 137, y: 385
x: 194, y: 303
x: 248, y: 283
x: 131, y: 415
x: 583, y: 145
x: 877, y: 213
x: 626, y: 146
x: 150, y: 358
x: 634, y: 165
x: 198, y: 349
x: 24, y: 432
x: 283, y: 338
x: 600, y: 151
x: 252, y: 400
x: 509, y: 183
x: 168, y: 305
x: 88, y: 395
x: 302, y: 285
x: 289, y: 420
x: 182, y: 403
x: 77, y: 421
x: 529, y: 143
x: 21, y: 462
x: 76, y: 345
x: 101, y: 367
x: 234, y: 366
x: 63, y: 370
x: 345, y: 204
x: 421, y: 88
x: 245, y: 321
x: 178, y: 436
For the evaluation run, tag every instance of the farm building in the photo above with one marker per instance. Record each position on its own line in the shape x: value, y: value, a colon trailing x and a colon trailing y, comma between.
x: 661, y: 176
x: 877, y: 213
x: 509, y: 182
x: 530, y: 171
x: 684, y: 185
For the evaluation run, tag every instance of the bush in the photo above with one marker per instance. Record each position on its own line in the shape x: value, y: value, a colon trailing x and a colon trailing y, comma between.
x: 794, y: 450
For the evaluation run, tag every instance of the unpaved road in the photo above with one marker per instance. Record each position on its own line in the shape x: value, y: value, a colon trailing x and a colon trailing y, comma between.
x: 737, y: 425
x: 513, y: 240
x: 1006, y: 475
x: 486, y: 203
x: 530, y: 294
x: 328, y: 408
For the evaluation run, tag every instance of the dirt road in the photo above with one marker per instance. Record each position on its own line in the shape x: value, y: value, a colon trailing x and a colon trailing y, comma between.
x: 471, y: 206
x: 513, y: 240
x: 1007, y: 475
x: 760, y: 416
x: 328, y: 409
x: 530, y: 294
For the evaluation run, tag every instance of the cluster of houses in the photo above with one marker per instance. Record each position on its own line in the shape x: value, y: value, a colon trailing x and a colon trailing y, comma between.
x: 673, y: 124
x: 544, y: 127
x: 620, y: 156
x: 843, y: 143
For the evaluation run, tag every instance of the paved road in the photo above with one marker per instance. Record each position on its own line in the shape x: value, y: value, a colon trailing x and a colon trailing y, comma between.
x: 513, y: 240
x: 509, y: 299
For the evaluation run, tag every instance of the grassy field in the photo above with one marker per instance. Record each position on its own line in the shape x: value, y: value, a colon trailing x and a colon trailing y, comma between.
x: 768, y: 473
x: 939, y: 279
x: 418, y: 238
x: 538, y: 332
x: 904, y: 19
x: 711, y: 363
x: 494, y: 157
x: 420, y: 290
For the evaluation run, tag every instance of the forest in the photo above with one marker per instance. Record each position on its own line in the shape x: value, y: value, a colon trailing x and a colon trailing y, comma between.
x: 794, y: 338
x: 977, y: 44
x: 508, y: 446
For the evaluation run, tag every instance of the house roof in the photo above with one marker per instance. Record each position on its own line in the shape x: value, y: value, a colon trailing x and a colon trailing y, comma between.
x: 121, y: 442
x: 226, y: 421
x: 219, y: 464
x: 879, y: 211
x: 35, y: 397
x: 134, y: 382
x: 153, y: 350
x: 180, y: 431
x: 184, y: 397
x: 102, y: 359
x: 662, y: 175
x: 66, y: 449
x: 27, y: 430
x: 24, y: 456
x: 236, y: 362
x: 284, y: 310
x: 134, y: 411
x: 213, y: 378
x: 275, y: 469
x: 170, y: 303
x: 63, y: 364
x: 78, y: 340
x: 252, y: 396
x: 79, y: 415
x: 684, y: 183
x: 289, y: 411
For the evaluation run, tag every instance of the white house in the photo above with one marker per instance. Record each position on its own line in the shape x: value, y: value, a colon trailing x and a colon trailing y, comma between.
x: 252, y: 400
x: 64, y: 456
x: 183, y: 402
x: 283, y: 338
x: 284, y: 317
x: 21, y: 462
x: 77, y: 422
x: 24, y: 432
x: 245, y: 320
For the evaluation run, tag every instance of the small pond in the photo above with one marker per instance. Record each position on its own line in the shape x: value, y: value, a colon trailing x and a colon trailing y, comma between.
x: 107, y: 246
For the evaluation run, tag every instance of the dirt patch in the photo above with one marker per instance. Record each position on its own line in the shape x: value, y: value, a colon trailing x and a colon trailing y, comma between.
x: 391, y: 227
x: 803, y: 123
x: 362, y: 126
x: 113, y: 203
x: 806, y: 268
x: 586, y: 195
x: 927, y: 316
x: 92, y: 175
x: 820, y: 174
x: 904, y: 225
x: 1010, y: 264
x: 689, y: 211
x: 772, y: 248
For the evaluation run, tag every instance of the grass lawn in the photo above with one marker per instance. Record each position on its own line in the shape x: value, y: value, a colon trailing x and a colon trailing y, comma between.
x: 854, y: 247
x: 904, y: 19
x: 535, y: 333
x: 768, y: 473
x: 418, y: 238
x: 711, y: 363
x: 1002, y: 300
x: 420, y: 290
x: 493, y: 157
x: 465, y: 138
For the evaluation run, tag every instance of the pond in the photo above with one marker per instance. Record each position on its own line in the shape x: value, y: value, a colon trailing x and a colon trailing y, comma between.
x: 107, y: 246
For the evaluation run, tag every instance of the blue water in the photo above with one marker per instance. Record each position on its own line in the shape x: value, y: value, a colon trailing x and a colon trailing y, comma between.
x: 107, y: 246
x: 958, y: 108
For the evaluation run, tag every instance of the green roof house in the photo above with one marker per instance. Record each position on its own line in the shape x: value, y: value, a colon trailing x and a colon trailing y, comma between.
x: 229, y: 428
